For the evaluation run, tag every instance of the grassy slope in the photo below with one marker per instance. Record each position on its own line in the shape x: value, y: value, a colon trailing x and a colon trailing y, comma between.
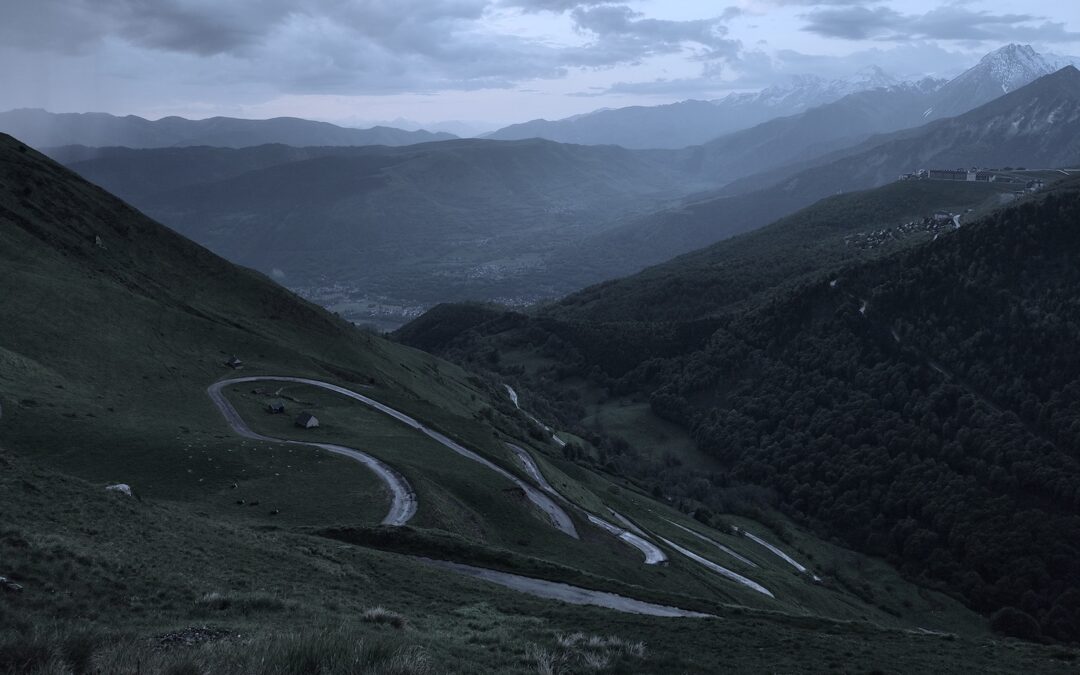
x: 121, y: 397
x: 93, y: 585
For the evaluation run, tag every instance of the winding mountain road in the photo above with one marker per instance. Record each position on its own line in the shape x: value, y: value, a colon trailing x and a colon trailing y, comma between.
x: 638, y: 538
x: 404, y: 503
x: 719, y: 569
x: 574, y: 595
x: 725, y: 549
x: 558, y: 516
x: 402, y: 496
x: 514, y: 399
x: 653, y: 554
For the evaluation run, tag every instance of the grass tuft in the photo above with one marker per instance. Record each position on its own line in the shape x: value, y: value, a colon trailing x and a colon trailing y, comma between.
x: 578, y: 652
x: 313, y: 651
x: 241, y: 604
x: 381, y: 615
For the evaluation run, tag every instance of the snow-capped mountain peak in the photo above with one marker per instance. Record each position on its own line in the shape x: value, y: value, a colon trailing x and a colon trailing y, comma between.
x: 1013, y: 66
x: 801, y: 92
x: 872, y: 77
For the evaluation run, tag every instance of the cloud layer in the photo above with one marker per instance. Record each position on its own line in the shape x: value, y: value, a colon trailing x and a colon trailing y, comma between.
x: 129, y: 52
x: 946, y: 22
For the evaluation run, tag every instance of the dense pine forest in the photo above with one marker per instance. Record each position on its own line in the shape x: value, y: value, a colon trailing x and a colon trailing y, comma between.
x: 923, y: 407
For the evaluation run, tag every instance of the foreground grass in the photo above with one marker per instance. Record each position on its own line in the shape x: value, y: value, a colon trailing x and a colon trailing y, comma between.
x: 113, y: 584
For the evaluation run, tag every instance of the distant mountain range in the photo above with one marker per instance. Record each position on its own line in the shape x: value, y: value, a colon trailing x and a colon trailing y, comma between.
x: 823, y: 111
x: 1036, y: 126
x: 374, y: 231
x: 693, y: 122
x: 43, y: 129
x: 786, y: 143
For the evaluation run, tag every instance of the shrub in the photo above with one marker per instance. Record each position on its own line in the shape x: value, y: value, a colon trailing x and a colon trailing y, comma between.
x: 1015, y: 623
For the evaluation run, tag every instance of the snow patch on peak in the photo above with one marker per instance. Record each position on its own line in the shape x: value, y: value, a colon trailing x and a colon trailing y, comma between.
x: 1013, y: 66
x: 803, y: 91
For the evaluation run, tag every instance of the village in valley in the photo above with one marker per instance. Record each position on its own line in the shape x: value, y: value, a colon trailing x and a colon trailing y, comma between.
x: 1025, y: 182
x: 940, y: 221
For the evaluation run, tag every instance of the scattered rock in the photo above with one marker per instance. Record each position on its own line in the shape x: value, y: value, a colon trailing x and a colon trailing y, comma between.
x: 191, y: 636
x: 122, y: 488
x: 234, y: 486
x: 10, y: 586
x: 275, y: 512
x: 240, y: 502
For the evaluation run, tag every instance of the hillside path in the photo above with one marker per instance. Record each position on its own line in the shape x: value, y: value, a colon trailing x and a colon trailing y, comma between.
x: 558, y: 516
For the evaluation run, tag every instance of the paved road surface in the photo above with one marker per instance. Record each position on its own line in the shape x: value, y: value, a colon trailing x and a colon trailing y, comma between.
x: 574, y: 595
x: 719, y: 569
x: 715, y: 543
x: 653, y: 554
x: 402, y: 496
x: 777, y: 552
x: 559, y: 518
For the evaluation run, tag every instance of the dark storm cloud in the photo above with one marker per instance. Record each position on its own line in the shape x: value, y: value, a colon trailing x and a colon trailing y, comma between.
x: 193, y: 26
x: 753, y: 70
x: 556, y: 6
x: 352, y: 46
x: 623, y: 35
x: 952, y: 22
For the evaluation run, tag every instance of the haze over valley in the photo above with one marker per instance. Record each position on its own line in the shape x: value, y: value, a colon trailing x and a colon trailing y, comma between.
x: 648, y: 337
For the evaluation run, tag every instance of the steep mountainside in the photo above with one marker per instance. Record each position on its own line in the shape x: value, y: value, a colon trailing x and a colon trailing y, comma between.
x: 43, y: 129
x: 813, y: 133
x: 784, y: 147
x: 1037, y: 126
x: 999, y: 72
x: 834, y: 232
x: 115, y: 327
x: 921, y: 405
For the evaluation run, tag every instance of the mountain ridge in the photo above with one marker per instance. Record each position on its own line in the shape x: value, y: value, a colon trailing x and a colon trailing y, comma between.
x: 42, y: 129
x: 1036, y: 126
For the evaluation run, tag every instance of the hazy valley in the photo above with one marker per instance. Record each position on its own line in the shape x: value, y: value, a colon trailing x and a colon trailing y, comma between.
x: 778, y: 381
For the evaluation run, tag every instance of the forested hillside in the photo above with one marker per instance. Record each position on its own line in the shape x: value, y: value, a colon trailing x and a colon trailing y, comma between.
x: 939, y: 428
x: 924, y: 407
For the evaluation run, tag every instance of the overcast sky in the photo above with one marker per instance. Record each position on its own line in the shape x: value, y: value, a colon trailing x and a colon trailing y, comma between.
x: 495, y: 61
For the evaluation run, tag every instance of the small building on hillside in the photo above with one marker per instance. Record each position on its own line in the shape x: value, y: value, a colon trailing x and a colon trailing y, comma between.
x: 307, y: 421
x: 947, y: 174
x: 234, y: 363
x: 276, y: 407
